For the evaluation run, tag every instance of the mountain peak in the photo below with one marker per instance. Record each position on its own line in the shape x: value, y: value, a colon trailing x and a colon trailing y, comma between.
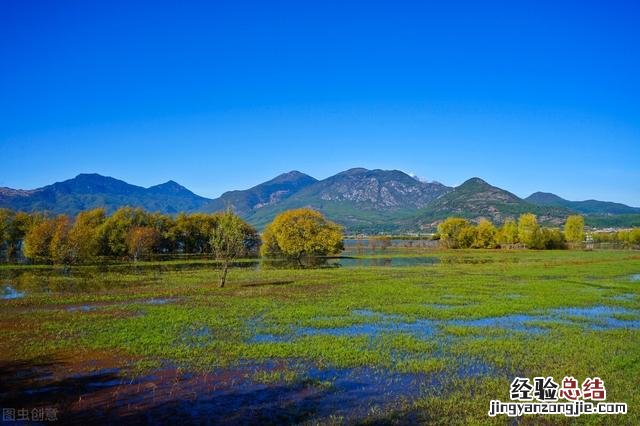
x: 364, y: 189
x: 170, y: 187
x: 89, y: 175
x: 545, y: 198
x: 476, y: 181
x: 292, y: 176
x: 353, y: 171
x: 90, y: 178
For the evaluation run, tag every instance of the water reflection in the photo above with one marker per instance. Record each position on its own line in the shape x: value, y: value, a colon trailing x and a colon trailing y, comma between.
x: 346, y: 262
x: 104, y: 277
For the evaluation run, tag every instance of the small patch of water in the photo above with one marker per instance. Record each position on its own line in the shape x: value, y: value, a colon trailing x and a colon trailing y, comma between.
x: 591, y: 311
x: 634, y: 278
x: 625, y: 297
x: 10, y: 293
x: 518, y: 322
x: 600, y: 317
x: 81, y: 308
x: 159, y: 301
x: 383, y: 323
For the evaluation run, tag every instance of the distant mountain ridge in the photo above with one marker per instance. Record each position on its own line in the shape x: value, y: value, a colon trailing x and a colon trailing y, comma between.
x: 362, y: 200
x: 244, y: 202
x: 585, y: 207
x: 476, y: 199
x: 87, y: 191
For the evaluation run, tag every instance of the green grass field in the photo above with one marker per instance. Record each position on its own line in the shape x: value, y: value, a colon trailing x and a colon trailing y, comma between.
x: 426, y: 343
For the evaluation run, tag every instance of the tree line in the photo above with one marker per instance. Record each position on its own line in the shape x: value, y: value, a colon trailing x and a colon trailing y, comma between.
x: 127, y: 233
x: 133, y: 233
x: 626, y: 238
x: 460, y: 233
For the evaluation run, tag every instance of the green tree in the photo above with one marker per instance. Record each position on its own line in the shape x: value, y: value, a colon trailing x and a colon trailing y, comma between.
x: 527, y: 229
x: 116, y: 228
x: 302, y: 232
x: 84, y: 237
x: 15, y: 227
x: 6, y: 221
x: 192, y: 233
x: 231, y: 238
x: 574, y: 229
x: 547, y: 239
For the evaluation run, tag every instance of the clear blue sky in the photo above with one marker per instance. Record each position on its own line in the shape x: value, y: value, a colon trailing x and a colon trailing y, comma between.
x: 223, y: 95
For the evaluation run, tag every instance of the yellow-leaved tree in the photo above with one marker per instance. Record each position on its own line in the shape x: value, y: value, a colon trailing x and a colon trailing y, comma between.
x: 454, y: 231
x: 574, y: 229
x: 508, y: 233
x: 301, y: 232
x: 485, y: 235
x: 528, y: 229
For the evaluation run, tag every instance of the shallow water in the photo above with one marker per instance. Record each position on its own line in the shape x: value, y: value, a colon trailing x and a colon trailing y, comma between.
x: 228, y: 395
x: 86, y: 279
x: 380, y: 323
x: 601, y: 317
x: 624, y: 297
x: 518, y: 322
x: 81, y: 308
x: 10, y: 293
x: 159, y: 301
x: 598, y: 317
x: 352, y: 262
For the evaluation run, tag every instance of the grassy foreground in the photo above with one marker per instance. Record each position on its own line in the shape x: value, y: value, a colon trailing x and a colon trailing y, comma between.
x: 464, y: 326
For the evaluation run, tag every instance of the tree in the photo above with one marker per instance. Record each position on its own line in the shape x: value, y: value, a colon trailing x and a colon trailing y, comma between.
x: 450, y: 230
x: 192, y: 233
x: 141, y: 241
x: 59, y: 248
x: 302, y: 232
x: 383, y: 242
x: 14, y: 227
x: 547, y: 239
x: 485, y: 235
x: 116, y: 229
x: 508, y: 233
x: 574, y: 229
x: 84, y: 236
x: 6, y: 221
x: 466, y: 237
x: 163, y: 224
x: 634, y: 237
x: 37, y: 241
x: 231, y: 238
x: 527, y: 229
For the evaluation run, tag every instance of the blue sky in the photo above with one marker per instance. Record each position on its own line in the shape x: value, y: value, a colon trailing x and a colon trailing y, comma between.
x: 224, y: 95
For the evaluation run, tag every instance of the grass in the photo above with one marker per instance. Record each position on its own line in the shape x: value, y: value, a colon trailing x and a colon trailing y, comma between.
x: 303, y: 314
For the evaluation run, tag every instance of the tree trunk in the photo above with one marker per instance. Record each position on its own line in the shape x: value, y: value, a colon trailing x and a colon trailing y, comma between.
x: 223, y: 276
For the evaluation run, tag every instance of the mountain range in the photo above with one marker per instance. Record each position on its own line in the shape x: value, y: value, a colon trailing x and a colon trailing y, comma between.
x: 362, y: 200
